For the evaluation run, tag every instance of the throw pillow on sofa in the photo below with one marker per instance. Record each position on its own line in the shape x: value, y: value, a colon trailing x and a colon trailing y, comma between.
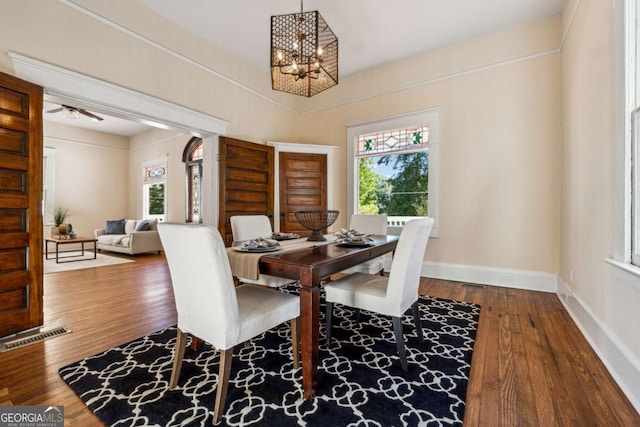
x: 143, y: 225
x: 115, y: 227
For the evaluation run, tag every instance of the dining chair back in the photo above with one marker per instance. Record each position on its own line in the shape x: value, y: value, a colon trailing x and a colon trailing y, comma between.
x: 404, y: 276
x: 211, y: 307
x: 247, y: 227
x: 369, y: 224
x: 392, y: 295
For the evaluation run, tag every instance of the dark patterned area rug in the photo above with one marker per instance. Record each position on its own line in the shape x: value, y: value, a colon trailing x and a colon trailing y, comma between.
x: 360, y: 382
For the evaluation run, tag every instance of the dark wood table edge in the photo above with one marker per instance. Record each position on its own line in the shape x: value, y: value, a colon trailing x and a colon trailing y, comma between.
x: 309, y: 277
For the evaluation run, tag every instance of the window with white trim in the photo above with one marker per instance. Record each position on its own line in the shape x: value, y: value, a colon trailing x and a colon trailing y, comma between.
x: 633, y: 115
x: 48, y: 184
x: 154, y: 190
x: 192, y: 157
x: 394, y: 169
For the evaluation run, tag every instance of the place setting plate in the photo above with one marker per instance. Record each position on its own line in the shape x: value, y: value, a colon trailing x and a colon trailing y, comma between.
x: 257, y: 250
x: 353, y: 238
x: 259, y: 245
x: 284, y: 236
x: 355, y: 243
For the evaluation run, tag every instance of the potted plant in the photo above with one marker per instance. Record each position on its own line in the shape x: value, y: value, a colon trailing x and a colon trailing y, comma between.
x: 59, y: 217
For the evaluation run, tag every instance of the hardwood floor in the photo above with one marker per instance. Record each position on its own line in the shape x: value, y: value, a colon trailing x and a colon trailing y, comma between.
x: 531, y: 365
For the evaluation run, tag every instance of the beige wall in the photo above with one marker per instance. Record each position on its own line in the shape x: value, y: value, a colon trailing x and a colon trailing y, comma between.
x: 527, y: 133
x: 499, y: 144
x: 589, y: 187
x: 91, y: 175
x: 498, y: 96
x: 52, y: 32
x: 157, y: 144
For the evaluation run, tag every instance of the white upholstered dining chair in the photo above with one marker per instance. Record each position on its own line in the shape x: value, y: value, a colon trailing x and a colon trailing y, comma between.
x: 391, y: 295
x: 247, y: 227
x: 369, y: 224
x: 211, y: 308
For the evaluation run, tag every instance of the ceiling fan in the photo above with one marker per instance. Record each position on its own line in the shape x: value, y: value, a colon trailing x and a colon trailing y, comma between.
x: 74, y: 113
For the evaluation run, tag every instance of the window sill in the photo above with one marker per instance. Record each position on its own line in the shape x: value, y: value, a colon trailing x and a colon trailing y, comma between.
x: 627, y: 273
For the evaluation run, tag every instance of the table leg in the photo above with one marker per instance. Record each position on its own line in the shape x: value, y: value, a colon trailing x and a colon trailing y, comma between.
x: 95, y: 249
x: 57, y: 253
x: 310, y: 331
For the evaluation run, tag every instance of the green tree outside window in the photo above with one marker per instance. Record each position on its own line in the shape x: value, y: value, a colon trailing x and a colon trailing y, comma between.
x: 404, y: 194
x: 156, y: 199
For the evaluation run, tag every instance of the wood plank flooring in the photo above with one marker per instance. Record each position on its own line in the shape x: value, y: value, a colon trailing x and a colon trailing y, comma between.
x: 531, y: 365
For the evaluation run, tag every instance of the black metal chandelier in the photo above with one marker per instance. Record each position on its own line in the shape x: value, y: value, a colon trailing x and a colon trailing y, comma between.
x: 304, y: 53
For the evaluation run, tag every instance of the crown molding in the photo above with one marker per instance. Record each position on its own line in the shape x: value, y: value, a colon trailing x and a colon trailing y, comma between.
x: 226, y: 78
x: 165, y: 49
x: 109, y: 98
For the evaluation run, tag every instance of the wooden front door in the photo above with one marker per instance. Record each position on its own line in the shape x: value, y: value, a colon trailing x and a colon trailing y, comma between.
x: 303, y: 186
x: 246, y: 182
x: 21, y: 152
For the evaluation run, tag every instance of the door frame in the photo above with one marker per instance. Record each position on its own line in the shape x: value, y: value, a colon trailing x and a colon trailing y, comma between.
x: 331, y: 152
x: 61, y: 84
x: 65, y: 86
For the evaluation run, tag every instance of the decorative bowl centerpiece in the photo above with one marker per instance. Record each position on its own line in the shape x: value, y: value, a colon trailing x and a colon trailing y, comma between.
x: 316, y: 221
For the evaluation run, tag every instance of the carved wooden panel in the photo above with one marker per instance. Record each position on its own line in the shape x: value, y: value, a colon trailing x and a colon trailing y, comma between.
x: 246, y: 182
x: 21, y: 243
x: 303, y: 180
x: 15, y: 143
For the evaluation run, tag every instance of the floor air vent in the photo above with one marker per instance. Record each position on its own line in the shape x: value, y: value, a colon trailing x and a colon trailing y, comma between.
x: 17, y: 342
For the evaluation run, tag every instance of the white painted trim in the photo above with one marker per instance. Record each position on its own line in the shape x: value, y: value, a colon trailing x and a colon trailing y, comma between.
x: 628, y: 274
x: 89, y: 92
x: 211, y: 71
x: 438, y: 79
x: 210, y: 180
x: 622, y: 136
x: 619, y: 361
x: 49, y: 172
x: 508, y: 278
x: 84, y: 143
x: 169, y: 51
x: 416, y: 118
x: 565, y: 32
x: 142, y: 202
x: 288, y: 147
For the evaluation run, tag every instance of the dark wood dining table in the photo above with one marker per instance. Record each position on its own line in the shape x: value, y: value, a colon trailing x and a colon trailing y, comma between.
x: 309, y: 266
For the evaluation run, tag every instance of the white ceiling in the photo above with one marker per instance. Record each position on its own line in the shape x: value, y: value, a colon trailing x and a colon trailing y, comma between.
x: 110, y: 124
x: 370, y: 32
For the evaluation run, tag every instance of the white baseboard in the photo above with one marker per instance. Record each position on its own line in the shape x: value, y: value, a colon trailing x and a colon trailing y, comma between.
x: 621, y: 364
x: 520, y: 279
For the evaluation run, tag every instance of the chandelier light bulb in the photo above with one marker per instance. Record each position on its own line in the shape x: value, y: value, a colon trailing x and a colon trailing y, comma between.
x: 320, y: 51
x: 294, y: 65
x: 279, y: 55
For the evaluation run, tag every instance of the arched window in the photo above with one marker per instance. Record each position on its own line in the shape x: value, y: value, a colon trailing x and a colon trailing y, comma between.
x: 192, y: 157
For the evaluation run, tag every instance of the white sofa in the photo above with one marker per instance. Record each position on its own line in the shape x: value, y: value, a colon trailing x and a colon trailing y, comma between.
x: 131, y: 242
